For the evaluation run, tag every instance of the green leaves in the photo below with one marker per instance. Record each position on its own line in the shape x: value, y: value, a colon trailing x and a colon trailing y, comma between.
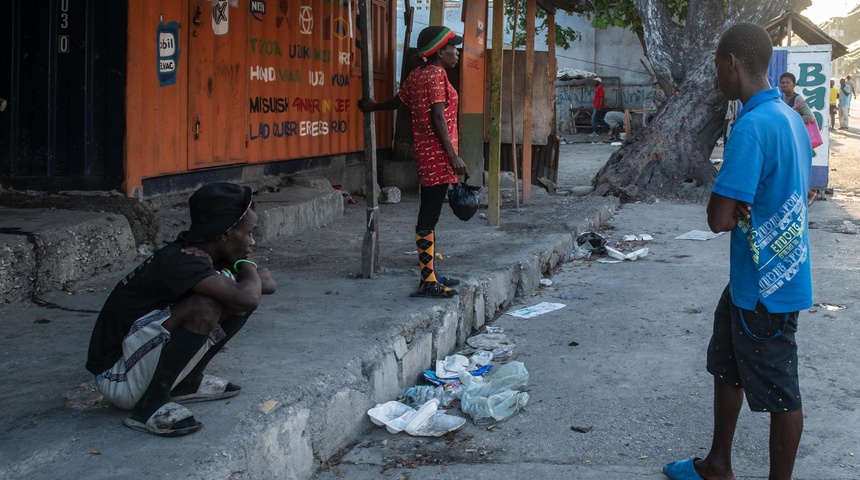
x: 564, y: 36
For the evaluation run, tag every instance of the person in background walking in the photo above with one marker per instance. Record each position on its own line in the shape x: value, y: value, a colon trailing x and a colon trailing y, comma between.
x: 834, y: 99
x: 759, y: 196
x: 599, y: 108
x: 844, y: 103
x: 433, y: 102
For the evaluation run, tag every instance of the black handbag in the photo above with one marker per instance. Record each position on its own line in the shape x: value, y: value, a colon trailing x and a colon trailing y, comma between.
x: 463, y: 199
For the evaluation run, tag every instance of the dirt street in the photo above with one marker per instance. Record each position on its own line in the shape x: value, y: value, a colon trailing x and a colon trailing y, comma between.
x: 617, y: 381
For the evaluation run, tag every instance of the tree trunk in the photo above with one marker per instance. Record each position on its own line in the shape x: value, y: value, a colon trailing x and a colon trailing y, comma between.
x: 670, y: 158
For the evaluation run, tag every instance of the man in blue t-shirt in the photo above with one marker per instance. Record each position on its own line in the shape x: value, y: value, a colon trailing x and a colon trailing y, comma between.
x: 845, y: 92
x: 759, y: 196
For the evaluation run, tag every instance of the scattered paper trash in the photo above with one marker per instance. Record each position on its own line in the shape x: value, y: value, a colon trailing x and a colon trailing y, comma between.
x: 698, y: 235
x: 535, y: 310
x: 498, y: 343
x: 449, y: 369
x: 615, y: 144
x: 545, y: 282
x: 645, y: 237
x: 267, y: 407
x: 630, y: 238
x: 830, y: 307
x: 621, y: 256
x: 495, y: 330
x: 608, y: 260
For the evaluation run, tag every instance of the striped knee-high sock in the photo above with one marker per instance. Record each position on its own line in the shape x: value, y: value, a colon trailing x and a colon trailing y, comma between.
x: 424, y: 240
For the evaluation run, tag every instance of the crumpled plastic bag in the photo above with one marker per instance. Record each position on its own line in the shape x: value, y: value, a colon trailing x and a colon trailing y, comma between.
x: 588, y: 243
x: 463, y: 199
x: 497, y: 396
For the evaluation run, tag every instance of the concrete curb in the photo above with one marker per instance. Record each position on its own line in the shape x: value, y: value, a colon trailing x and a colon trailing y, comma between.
x: 296, y: 210
x: 43, y: 250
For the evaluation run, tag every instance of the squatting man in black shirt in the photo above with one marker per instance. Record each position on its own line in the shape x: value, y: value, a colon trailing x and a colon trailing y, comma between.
x: 163, y: 323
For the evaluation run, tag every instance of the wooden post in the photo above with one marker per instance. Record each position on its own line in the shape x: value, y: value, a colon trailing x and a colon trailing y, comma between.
x: 370, y: 246
x: 513, y: 102
x: 437, y: 12
x: 495, y: 131
x: 528, y: 118
x: 552, y: 65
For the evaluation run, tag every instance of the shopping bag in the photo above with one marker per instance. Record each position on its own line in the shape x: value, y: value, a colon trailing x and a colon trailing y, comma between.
x: 814, y: 134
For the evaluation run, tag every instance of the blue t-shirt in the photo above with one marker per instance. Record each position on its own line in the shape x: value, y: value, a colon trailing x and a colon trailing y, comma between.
x: 766, y: 163
x: 845, y: 98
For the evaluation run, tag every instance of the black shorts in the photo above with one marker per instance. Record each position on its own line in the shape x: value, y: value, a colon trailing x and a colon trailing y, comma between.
x: 764, y: 366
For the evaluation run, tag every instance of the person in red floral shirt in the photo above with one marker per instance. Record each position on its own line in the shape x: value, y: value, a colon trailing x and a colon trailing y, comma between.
x: 433, y: 102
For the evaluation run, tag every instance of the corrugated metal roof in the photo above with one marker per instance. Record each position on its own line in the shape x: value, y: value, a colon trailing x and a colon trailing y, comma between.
x: 803, y: 28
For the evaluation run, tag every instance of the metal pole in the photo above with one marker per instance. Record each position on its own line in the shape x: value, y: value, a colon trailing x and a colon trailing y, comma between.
x: 370, y: 246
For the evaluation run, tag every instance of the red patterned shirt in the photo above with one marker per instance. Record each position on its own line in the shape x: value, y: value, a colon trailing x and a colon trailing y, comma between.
x: 422, y: 88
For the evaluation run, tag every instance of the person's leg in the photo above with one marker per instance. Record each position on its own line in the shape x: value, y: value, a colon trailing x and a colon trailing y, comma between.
x: 728, y: 393
x: 832, y: 117
x: 601, y: 122
x: 228, y: 329
x: 785, y: 432
x: 431, y: 200
x: 189, y: 325
x: 595, y: 117
x: 728, y: 400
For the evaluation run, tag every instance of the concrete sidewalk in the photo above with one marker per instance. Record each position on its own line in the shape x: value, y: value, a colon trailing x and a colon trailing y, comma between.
x: 324, y: 348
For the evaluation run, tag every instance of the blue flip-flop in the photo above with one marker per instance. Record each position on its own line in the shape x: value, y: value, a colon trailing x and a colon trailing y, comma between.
x: 682, y: 470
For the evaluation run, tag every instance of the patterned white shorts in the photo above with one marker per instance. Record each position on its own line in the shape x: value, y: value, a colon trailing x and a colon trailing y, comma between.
x: 125, y: 383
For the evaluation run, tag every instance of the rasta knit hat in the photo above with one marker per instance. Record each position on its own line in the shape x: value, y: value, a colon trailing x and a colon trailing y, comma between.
x: 216, y: 208
x: 431, y: 39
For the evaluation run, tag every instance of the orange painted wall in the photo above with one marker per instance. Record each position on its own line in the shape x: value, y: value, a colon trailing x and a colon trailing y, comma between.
x: 278, y: 86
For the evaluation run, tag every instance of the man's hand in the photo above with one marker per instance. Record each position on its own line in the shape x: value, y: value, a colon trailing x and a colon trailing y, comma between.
x: 196, y: 252
x: 269, y: 284
x: 742, y: 211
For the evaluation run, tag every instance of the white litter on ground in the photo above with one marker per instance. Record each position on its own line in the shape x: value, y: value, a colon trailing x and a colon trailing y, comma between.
x: 535, y: 310
x: 698, y: 235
